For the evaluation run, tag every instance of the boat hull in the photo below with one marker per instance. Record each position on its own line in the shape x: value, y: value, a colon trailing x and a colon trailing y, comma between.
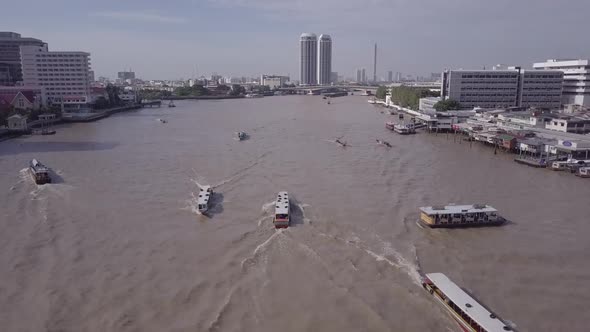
x: 39, y: 179
x: 281, y: 224
x: 499, y: 222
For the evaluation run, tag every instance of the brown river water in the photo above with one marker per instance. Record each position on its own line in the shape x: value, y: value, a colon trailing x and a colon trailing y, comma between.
x: 115, y: 244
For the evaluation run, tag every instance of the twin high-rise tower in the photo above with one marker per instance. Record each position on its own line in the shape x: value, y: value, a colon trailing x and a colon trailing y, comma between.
x: 315, y: 61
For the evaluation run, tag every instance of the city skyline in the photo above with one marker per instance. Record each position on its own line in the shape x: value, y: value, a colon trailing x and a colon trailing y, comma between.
x: 159, y: 42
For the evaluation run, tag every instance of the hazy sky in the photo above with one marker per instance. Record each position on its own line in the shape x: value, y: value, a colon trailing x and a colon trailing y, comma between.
x: 167, y: 39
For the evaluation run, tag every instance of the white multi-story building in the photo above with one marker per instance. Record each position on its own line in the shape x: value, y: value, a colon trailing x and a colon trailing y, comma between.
x: 426, y: 104
x: 274, y: 81
x: 503, y: 88
x: 576, y: 79
x: 65, y: 76
x: 324, y: 60
x: 308, y: 59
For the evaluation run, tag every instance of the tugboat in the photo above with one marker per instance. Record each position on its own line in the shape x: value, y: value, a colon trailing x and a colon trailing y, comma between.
x: 282, y: 209
x: 171, y: 104
x: 204, y: 197
x: 39, y: 172
x: 453, y: 216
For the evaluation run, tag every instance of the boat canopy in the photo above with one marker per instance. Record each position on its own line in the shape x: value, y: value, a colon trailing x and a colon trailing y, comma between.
x: 282, y: 203
x: 468, y: 305
x: 452, y: 209
x: 204, y: 195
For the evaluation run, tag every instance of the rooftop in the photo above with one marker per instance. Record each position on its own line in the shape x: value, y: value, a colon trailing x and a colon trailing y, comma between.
x: 446, y: 209
x: 469, y: 305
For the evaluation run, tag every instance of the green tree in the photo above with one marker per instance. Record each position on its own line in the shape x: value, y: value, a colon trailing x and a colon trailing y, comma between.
x: 447, y: 105
x: 409, y: 97
x: 237, y: 90
x: 381, y: 92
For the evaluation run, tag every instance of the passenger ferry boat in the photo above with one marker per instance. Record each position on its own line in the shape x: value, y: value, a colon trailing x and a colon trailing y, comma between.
x: 282, y: 209
x: 389, y: 125
x: 205, y: 194
x: 584, y: 172
x: 39, y: 172
x: 469, y: 314
x: 451, y: 216
x: 404, y: 129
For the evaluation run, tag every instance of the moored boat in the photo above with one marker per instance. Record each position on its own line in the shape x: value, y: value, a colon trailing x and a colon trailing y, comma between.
x: 389, y: 125
x: 204, y: 198
x: 404, y: 129
x: 254, y: 95
x: 465, y: 310
x: 282, y: 209
x: 584, y: 172
x: 39, y: 172
x: 452, y: 216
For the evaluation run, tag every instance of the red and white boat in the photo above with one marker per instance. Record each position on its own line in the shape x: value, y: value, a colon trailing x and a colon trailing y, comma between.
x: 469, y: 314
x: 390, y: 125
x: 282, y: 209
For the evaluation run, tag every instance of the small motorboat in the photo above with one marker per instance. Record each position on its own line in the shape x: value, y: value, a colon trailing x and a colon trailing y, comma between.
x: 382, y: 142
x: 163, y: 121
x: 240, y: 135
x: 342, y: 143
x: 171, y: 104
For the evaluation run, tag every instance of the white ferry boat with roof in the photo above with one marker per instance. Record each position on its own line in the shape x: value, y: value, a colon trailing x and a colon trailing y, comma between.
x: 460, y: 216
x: 470, y: 314
x: 204, y: 198
x: 39, y: 172
x: 282, y: 209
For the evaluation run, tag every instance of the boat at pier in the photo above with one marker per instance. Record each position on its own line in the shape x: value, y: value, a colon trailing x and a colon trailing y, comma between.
x: 465, y: 310
x: 204, y: 199
x: 39, y: 172
x: 282, y: 209
x: 404, y: 129
x: 453, y: 216
x: 389, y: 125
x: 254, y: 95
x: 584, y: 172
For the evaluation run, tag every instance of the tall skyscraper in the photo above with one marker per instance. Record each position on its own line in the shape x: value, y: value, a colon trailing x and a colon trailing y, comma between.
x: 390, y: 76
x: 358, y: 76
x: 363, y: 76
x: 10, y: 59
x: 324, y: 59
x: 375, y: 65
x: 308, y: 43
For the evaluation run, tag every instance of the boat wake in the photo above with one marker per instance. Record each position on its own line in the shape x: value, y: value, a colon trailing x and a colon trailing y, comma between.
x: 250, y: 261
x: 388, y: 255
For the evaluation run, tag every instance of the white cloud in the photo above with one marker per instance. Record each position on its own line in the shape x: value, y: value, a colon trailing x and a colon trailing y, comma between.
x: 140, y: 16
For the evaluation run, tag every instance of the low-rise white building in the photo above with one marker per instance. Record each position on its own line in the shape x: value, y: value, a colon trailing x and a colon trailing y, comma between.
x: 17, y: 122
x: 569, y: 124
